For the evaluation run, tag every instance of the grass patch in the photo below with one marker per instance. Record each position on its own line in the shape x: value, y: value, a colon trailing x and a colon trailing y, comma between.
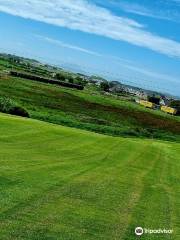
x: 64, y: 183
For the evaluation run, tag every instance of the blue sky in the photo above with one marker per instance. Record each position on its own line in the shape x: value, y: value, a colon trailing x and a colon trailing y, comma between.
x: 136, y: 42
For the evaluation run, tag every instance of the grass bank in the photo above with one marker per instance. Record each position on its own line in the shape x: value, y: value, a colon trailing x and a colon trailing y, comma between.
x: 90, y: 111
x: 64, y: 183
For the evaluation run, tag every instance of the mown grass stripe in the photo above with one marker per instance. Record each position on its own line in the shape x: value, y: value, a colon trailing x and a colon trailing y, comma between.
x: 63, y: 183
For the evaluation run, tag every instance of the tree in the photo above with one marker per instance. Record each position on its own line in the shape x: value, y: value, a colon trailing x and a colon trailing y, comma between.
x: 175, y: 104
x: 60, y: 76
x: 154, y: 99
x: 81, y: 81
x: 104, y: 86
x: 71, y: 79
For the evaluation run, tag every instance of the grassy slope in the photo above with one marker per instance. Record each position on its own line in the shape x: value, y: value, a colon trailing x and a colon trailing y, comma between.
x: 87, y: 111
x: 63, y: 183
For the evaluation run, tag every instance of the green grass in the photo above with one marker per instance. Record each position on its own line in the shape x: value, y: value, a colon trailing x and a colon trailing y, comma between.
x: 62, y: 183
x: 90, y: 111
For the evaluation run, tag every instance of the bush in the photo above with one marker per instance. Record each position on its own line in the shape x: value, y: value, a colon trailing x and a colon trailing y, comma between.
x: 176, y: 104
x: 7, y: 105
x: 19, y: 111
x: 154, y: 99
x: 60, y: 76
x: 71, y: 80
x: 104, y: 86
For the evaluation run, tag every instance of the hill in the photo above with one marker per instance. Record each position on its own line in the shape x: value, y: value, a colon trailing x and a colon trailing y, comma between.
x: 65, y: 183
x: 89, y: 110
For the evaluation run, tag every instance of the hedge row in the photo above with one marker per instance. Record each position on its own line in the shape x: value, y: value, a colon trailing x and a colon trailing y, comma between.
x: 45, y: 80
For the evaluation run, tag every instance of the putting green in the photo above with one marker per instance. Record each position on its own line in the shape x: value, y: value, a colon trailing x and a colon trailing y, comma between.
x: 63, y: 183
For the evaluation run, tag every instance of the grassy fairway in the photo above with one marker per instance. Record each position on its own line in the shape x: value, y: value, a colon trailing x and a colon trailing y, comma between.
x: 63, y: 183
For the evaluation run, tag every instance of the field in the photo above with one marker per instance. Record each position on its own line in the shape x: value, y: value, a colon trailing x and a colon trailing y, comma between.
x: 90, y: 110
x: 64, y: 183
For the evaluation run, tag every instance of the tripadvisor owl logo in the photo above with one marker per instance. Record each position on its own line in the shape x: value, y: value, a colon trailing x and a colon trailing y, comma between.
x: 139, y: 231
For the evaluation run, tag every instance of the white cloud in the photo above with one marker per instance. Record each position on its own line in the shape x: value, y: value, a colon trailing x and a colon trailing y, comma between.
x: 87, y: 17
x: 121, y: 62
x: 66, y: 45
x: 161, y: 9
x: 142, y: 10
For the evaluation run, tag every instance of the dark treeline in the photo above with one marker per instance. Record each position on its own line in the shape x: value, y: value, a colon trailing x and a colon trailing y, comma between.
x: 45, y: 80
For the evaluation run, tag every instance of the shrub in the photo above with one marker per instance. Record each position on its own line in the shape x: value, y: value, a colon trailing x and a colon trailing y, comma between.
x: 104, y: 86
x: 19, y: 111
x: 71, y: 80
x: 7, y: 105
x: 176, y: 104
x: 60, y: 76
x: 154, y: 99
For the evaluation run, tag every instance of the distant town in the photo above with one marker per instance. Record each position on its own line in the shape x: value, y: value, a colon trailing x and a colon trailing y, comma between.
x: 35, y: 70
